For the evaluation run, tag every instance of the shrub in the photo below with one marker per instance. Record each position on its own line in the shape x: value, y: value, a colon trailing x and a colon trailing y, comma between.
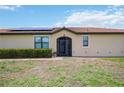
x: 25, y: 53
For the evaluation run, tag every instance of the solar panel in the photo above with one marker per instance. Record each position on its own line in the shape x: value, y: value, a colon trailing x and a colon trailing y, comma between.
x: 34, y: 28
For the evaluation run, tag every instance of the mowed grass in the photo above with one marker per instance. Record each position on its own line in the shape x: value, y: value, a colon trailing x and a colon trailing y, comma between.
x: 67, y: 74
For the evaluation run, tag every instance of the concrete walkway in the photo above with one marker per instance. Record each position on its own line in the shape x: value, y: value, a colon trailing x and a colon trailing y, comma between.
x: 32, y: 59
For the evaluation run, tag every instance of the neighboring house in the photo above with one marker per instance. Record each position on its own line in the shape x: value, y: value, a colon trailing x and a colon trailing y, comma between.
x: 70, y: 41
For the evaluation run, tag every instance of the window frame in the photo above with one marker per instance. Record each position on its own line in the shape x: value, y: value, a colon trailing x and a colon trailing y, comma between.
x: 41, y: 37
x: 87, y: 41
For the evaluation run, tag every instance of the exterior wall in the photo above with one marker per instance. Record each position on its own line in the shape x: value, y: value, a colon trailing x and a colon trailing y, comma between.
x: 16, y: 41
x: 99, y: 44
x: 1, y: 42
x: 53, y: 40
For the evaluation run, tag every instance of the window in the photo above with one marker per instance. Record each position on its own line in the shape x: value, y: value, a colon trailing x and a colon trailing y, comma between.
x: 85, y: 40
x: 41, y: 42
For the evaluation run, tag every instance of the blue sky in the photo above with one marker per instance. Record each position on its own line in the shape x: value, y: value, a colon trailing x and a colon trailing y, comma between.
x: 66, y: 15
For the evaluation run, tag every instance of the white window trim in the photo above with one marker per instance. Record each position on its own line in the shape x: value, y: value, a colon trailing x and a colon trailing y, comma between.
x: 88, y: 41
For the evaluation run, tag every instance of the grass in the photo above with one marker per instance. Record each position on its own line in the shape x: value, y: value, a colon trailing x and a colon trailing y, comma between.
x: 15, y: 67
x: 29, y: 81
x: 32, y: 81
x: 58, y: 81
x: 115, y: 59
x: 56, y: 69
x: 68, y: 73
x: 12, y: 66
x: 90, y: 75
x: 119, y: 60
x: 59, y: 70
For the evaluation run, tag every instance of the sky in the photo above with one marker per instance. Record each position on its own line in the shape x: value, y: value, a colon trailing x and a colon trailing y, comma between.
x: 17, y: 16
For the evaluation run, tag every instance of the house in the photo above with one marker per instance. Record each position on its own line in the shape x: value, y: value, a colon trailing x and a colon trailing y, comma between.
x: 67, y: 41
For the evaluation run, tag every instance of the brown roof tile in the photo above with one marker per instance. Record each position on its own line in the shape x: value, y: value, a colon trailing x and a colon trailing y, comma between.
x: 77, y: 30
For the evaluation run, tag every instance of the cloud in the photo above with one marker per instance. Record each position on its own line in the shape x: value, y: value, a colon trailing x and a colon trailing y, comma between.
x: 59, y: 24
x: 9, y: 7
x: 111, y: 17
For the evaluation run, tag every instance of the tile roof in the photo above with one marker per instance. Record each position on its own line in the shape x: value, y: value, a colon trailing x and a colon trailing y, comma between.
x: 34, y: 28
x: 95, y: 30
x: 77, y: 30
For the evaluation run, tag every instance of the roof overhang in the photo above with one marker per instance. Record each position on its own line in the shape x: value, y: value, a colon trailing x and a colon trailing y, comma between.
x: 56, y: 30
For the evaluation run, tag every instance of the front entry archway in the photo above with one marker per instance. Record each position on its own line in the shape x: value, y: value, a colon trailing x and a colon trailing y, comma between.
x: 64, y: 46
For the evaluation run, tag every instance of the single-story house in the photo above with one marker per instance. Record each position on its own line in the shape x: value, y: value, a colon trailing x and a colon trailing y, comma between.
x: 67, y: 41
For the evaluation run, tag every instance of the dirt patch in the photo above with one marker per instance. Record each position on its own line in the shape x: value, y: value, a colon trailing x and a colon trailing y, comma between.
x: 66, y: 67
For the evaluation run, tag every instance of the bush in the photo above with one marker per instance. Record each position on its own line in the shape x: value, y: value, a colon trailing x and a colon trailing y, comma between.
x: 25, y: 53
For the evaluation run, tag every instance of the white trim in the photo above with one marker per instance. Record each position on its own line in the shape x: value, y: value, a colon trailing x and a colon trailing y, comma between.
x: 82, y: 41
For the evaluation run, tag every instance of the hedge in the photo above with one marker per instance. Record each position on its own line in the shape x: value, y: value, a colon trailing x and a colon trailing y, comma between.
x: 25, y: 53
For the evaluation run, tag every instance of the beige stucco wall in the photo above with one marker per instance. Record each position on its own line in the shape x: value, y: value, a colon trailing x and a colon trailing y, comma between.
x: 16, y: 41
x: 99, y: 44
x: 105, y: 45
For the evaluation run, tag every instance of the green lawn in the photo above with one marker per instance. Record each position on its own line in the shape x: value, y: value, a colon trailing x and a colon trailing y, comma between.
x: 68, y: 73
